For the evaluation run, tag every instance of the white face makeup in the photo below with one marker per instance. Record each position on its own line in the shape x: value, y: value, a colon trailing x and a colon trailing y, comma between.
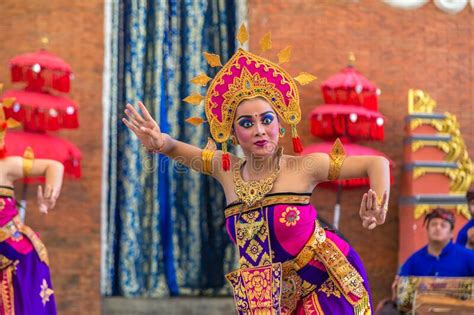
x: 257, y: 127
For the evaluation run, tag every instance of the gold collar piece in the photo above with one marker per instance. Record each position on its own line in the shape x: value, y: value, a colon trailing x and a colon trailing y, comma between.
x: 255, y: 190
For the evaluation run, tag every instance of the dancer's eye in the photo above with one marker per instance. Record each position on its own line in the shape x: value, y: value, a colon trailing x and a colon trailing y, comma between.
x: 245, y: 123
x: 267, y: 119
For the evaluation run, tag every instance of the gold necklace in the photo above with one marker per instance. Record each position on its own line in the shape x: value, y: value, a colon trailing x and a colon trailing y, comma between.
x: 255, y: 190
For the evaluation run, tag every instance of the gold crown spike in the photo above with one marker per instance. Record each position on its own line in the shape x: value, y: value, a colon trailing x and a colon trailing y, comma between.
x: 284, y: 55
x: 194, y: 99
x: 304, y: 78
x: 12, y: 123
x: 242, y: 35
x: 266, y: 42
x: 4, y: 125
x: 8, y: 102
x: 213, y: 60
x: 200, y: 80
x: 195, y: 121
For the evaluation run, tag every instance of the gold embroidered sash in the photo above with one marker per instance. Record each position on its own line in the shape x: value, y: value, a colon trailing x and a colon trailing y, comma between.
x: 7, y: 304
x: 14, y: 226
x: 345, y: 276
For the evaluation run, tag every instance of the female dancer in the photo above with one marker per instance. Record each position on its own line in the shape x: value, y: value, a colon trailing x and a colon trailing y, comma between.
x: 24, y: 273
x: 288, y: 263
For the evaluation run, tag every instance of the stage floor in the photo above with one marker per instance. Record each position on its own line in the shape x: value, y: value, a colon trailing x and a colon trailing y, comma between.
x: 168, y: 306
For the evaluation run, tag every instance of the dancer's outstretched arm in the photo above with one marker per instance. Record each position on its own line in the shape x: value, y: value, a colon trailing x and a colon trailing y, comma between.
x: 148, y: 132
x: 53, y: 172
x: 373, y: 208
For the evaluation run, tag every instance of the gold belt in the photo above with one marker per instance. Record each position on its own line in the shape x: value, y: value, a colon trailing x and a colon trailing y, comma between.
x: 14, y: 227
x: 269, y: 200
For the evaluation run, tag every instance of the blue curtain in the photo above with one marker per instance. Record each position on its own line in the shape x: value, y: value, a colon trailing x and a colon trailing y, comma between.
x: 165, y: 231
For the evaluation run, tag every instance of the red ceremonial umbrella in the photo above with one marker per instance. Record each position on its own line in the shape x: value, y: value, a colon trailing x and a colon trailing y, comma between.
x: 351, y: 150
x: 350, y: 87
x: 41, y: 69
x: 346, y: 122
x: 42, y: 111
x: 46, y: 147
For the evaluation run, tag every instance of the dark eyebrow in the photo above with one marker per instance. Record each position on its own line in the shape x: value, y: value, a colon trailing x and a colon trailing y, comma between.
x: 250, y: 116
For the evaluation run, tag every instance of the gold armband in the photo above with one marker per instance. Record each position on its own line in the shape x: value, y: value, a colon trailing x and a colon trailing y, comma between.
x: 336, y: 159
x: 28, y: 158
x: 207, y: 155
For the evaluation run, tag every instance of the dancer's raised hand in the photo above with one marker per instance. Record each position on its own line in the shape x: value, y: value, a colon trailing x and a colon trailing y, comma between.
x: 144, y: 127
x: 47, y: 199
x: 372, y: 212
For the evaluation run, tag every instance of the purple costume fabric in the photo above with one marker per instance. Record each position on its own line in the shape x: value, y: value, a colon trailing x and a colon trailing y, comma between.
x: 29, y: 277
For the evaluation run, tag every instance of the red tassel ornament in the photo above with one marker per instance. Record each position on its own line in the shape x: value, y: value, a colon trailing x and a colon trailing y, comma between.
x: 226, y: 162
x: 297, y: 146
x: 225, y: 158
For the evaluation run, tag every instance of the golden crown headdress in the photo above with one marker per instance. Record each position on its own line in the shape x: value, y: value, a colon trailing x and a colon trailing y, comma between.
x: 246, y: 76
x: 5, y: 123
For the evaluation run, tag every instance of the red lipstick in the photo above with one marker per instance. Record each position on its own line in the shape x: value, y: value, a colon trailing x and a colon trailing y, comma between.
x: 261, y: 143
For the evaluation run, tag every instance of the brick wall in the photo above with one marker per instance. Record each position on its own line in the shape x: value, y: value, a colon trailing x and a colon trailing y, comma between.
x: 71, y: 231
x: 396, y: 49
